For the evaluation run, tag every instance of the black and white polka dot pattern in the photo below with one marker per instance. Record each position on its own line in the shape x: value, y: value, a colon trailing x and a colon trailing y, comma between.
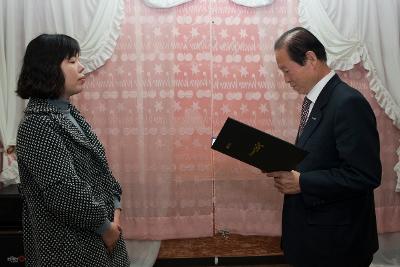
x: 68, y: 191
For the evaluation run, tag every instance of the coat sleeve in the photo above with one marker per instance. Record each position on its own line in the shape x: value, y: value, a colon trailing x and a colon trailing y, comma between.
x: 357, y: 149
x: 43, y: 154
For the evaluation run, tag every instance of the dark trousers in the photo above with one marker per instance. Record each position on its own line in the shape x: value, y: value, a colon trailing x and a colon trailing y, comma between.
x: 364, y: 263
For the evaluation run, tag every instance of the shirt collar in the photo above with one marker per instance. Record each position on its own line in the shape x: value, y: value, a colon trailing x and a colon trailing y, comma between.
x: 316, y: 90
x: 61, y: 104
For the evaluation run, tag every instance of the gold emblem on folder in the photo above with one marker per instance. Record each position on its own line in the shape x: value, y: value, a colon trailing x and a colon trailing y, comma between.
x: 257, y: 147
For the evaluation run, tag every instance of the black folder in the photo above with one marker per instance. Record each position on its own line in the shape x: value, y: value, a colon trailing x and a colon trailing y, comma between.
x: 257, y: 148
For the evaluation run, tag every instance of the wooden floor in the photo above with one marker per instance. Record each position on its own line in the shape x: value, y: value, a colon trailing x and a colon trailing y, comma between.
x: 192, y: 263
x: 222, y: 250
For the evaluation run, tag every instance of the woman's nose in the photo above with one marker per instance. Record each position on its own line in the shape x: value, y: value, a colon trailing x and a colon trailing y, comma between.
x: 287, y: 79
x: 81, y: 67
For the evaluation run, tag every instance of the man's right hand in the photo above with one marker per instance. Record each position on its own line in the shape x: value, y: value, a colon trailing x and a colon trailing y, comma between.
x: 111, y: 236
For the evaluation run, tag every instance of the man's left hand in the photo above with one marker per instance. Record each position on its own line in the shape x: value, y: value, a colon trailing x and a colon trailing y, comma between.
x: 286, y: 182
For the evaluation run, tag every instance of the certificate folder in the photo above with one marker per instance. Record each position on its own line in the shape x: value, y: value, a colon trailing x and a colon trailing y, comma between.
x: 257, y: 148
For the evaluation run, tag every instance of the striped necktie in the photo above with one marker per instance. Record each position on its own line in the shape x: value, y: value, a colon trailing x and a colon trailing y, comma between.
x: 304, y: 114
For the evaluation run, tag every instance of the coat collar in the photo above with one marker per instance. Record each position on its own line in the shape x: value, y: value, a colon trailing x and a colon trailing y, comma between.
x: 39, y: 105
x: 316, y: 113
x: 87, y: 139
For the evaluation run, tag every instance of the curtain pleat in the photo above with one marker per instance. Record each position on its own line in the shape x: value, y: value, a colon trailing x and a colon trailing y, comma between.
x: 94, y: 23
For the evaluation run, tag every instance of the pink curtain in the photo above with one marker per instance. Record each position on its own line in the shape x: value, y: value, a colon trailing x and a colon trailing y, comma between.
x: 174, y: 78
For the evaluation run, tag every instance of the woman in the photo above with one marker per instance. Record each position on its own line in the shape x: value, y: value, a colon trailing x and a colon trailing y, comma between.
x: 71, y: 214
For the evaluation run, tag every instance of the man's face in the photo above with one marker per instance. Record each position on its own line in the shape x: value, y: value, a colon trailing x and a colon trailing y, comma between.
x: 297, y: 76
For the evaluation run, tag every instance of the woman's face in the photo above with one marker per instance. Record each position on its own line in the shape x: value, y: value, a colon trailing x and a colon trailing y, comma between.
x: 74, y: 77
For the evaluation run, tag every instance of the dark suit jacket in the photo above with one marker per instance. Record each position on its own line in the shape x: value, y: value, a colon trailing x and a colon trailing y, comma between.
x: 332, y: 221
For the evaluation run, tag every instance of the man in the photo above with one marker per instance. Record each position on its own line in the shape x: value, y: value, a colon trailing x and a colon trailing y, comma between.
x: 328, y: 212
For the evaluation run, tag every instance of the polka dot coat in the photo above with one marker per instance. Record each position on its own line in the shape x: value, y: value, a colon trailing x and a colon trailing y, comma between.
x: 68, y: 190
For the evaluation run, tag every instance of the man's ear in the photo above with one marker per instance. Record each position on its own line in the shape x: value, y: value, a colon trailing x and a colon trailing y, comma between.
x: 311, y: 57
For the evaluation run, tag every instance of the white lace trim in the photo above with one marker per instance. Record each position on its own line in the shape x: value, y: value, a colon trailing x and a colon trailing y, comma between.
x: 107, y: 50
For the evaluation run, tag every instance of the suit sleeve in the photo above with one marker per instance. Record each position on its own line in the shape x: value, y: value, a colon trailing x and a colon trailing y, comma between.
x: 68, y: 197
x: 357, y: 148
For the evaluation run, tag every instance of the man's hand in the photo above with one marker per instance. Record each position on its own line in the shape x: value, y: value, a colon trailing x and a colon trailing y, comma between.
x: 111, y: 236
x: 286, y: 182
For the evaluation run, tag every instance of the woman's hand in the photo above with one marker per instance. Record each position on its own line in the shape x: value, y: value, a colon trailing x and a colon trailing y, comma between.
x: 111, y: 236
x: 117, y: 220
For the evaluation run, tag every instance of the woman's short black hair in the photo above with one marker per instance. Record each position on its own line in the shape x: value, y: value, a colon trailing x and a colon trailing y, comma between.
x: 297, y: 42
x: 41, y: 75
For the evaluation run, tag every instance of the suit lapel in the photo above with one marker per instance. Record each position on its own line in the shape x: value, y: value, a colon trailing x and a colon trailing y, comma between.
x: 316, y: 114
x: 312, y: 123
